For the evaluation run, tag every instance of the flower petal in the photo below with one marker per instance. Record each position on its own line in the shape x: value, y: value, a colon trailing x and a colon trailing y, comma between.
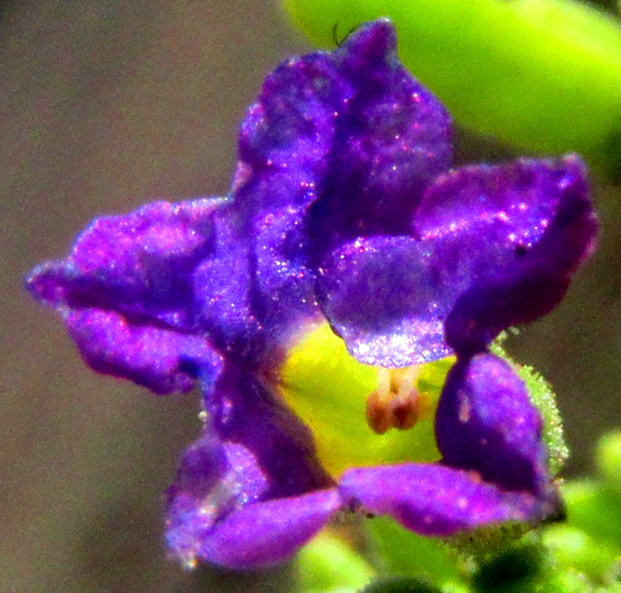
x: 138, y: 263
x: 494, y: 461
x: 349, y: 128
x: 392, y: 138
x: 491, y: 247
x: 265, y: 533
x: 354, y: 115
x: 435, y: 500
x: 125, y: 293
x: 254, y: 463
x: 161, y: 359
x: 244, y: 411
x: 508, y: 238
x: 223, y: 287
x: 381, y: 294
x: 487, y: 423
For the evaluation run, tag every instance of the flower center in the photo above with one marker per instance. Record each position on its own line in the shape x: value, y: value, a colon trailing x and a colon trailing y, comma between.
x: 396, y: 403
x: 328, y: 389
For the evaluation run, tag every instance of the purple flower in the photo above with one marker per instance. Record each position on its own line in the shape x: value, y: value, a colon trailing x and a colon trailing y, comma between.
x: 342, y: 208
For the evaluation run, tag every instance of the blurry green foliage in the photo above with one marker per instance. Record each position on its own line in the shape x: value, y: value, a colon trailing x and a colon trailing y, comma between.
x: 543, y: 75
x: 329, y: 565
x: 401, y: 552
x: 608, y: 458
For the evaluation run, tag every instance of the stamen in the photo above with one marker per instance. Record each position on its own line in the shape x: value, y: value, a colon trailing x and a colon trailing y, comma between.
x: 396, y: 403
x: 378, y: 401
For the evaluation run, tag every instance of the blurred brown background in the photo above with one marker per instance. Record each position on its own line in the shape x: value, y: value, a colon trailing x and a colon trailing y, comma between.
x: 104, y: 106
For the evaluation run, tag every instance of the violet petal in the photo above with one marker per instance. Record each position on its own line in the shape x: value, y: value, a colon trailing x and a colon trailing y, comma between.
x: 265, y: 533
x: 250, y: 490
x: 487, y: 423
x: 381, y: 294
x: 435, y: 500
x: 392, y: 137
x: 494, y: 461
x: 508, y: 237
x: 245, y: 412
x: 126, y: 295
x: 491, y: 247
x: 138, y: 263
x: 161, y: 359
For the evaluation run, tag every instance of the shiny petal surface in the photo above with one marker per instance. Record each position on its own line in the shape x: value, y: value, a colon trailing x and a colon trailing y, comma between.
x: 381, y: 294
x: 337, y: 144
x: 508, y: 238
x: 351, y: 124
x: 138, y: 263
x: 490, y: 247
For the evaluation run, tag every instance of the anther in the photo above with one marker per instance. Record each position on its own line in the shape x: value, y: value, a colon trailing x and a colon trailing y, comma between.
x: 396, y: 403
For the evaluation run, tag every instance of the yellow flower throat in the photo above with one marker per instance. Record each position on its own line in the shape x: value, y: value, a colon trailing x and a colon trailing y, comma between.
x: 332, y: 393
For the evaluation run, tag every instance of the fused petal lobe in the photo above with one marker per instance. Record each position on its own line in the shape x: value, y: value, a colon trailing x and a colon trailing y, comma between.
x: 382, y: 296
x: 507, y: 238
x: 159, y: 358
x: 435, y: 500
x: 392, y: 137
x: 126, y: 296
x: 487, y: 423
x: 139, y: 262
x: 250, y: 490
x: 268, y: 532
x: 489, y: 247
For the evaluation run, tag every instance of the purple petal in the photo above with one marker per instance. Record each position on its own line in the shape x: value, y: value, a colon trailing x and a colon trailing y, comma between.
x: 245, y: 412
x: 138, y: 263
x: 508, y: 238
x: 161, y: 359
x: 354, y: 115
x: 254, y: 465
x: 265, y: 533
x: 492, y: 246
x: 436, y: 500
x: 487, y: 423
x: 284, y: 281
x: 126, y: 295
x: 254, y: 291
x: 351, y: 128
x: 494, y: 461
x: 391, y: 139
x: 382, y: 296
x: 222, y: 285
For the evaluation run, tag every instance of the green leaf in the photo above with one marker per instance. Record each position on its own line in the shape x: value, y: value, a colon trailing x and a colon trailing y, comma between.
x: 402, y: 552
x: 574, y: 549
x: 595, y: 510
x: 329, y: 565
x: 608, y: 459
x: 543, y: 75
